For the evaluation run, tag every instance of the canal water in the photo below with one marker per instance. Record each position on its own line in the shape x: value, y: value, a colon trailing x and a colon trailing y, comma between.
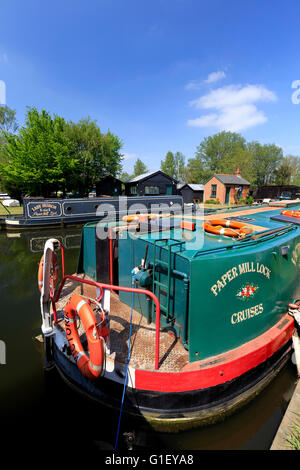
x: 38, y: 407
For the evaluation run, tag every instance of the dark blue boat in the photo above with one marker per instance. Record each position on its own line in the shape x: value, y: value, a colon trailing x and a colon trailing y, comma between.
x: 39, y: 213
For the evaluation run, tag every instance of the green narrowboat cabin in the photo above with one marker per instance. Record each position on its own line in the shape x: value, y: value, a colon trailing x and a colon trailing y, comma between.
x: 189, y: 312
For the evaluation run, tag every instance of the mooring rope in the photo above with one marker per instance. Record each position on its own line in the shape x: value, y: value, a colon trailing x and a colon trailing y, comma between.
x: 127, y: 367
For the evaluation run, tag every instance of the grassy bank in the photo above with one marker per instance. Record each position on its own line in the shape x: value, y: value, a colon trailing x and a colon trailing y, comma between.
x: 293, y: 439
x: 11, y: 210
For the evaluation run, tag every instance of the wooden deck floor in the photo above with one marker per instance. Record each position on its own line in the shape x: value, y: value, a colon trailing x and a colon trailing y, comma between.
x: 173, y: 356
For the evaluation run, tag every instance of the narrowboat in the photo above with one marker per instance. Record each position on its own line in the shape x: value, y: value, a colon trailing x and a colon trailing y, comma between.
x: 47, y: 213
x: 176, y: 319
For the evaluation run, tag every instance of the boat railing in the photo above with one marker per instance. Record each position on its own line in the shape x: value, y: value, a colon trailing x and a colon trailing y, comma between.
x: 249, y: 240
x: 102, y: 286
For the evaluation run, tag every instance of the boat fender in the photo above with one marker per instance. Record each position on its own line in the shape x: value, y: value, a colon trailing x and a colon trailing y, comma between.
x: 90, y: 366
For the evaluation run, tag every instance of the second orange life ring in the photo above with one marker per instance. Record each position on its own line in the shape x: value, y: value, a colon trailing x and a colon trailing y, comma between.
x: 91, y: 366
x: 54, y: 272
x: 139, y: 217
x: 228, y: 228
x: 290, y: 213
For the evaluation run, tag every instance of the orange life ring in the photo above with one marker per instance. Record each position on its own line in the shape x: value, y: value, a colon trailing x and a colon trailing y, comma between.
x: 54, y: 272
x: 290, y: 213
x: 139, y: 217
x: 91, y: 366
x: 229, y: 228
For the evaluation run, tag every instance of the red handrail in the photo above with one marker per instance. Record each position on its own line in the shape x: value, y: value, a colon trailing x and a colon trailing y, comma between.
x: 118, y: 288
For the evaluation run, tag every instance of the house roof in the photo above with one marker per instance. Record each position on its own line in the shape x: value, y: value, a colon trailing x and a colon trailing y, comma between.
x: 138, y: 178
x: 230, y: 179
x: 194, y: 187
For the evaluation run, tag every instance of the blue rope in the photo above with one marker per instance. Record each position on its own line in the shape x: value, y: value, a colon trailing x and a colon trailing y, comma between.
x: 127, y: 367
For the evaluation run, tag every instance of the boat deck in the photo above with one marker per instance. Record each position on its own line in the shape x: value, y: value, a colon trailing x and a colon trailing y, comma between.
x: 173, y: 356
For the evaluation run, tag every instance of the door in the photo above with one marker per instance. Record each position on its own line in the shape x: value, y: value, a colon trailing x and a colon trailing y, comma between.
x: 169, y: 189
x: 227, y: 194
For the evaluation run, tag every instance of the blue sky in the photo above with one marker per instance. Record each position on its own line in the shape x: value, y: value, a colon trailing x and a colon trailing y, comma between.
x: 161, y: 75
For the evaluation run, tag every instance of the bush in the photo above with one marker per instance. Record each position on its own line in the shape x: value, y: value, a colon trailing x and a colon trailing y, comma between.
x: 212, y: 201
x: 246, y: 200
x: 242, y: 201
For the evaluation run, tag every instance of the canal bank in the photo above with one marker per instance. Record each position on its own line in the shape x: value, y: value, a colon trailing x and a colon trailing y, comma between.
x: 290, y: 423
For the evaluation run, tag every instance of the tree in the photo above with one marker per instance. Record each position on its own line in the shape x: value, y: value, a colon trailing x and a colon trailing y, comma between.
x: 124, y: 176
x: 139, y: 168
x: 242, y: 159
x: 212, y: 150
x: 288, y: 170
x: 97, y: 154
x: 8, y: 123
x: 195, y: 172
x: 266, y: 161
x: 37, y: 161
x: 173, y: 165
x: 295, y: 163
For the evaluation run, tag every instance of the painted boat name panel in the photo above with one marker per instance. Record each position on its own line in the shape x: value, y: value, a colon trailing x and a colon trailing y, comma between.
x: 44, y: 209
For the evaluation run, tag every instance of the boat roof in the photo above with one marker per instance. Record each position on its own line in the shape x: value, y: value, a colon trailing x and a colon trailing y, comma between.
x: 197, y: 241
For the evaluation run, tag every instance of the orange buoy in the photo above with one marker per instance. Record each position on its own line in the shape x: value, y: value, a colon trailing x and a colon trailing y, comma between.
x: 228, y: 228
x: 54, y: 272
x: 91, y: 366
x: 139, y: 217
x: 290, y: 213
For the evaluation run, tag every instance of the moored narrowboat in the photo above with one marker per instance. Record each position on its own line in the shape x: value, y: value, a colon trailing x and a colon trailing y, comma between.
x: 48, y: 213
x: 189, y: 312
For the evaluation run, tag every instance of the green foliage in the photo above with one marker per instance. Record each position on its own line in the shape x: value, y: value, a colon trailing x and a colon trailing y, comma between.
x: 288, y: 170
x: 96, y: 154
x: 37, y: 160
x: 124, y: 176
x: 259, y: 164
x: 266, y: 161
x: 214, y: 149
x: 195, y: 172
x: 212, y: 201
x: 241, y: 159
x: 293, y: 438
x: 49, y: 155
x: 139, y: 168
x: 8, y: 126
x: 173, y: 165
x: 8, y: 123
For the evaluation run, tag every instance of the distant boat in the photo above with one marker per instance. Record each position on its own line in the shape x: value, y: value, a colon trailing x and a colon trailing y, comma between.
x: 45, y: 213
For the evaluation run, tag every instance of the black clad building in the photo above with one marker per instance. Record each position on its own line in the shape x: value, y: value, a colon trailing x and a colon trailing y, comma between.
x: 154, y: 183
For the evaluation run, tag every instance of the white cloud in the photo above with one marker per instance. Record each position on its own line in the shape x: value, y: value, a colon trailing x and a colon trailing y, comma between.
x: 234, y: 108
x: 215, y: 77
x: 212, y: 78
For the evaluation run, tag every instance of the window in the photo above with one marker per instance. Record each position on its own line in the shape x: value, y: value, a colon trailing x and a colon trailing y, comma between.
x: 213, y: 190
x: 133, y: 190
x: 151, y: 190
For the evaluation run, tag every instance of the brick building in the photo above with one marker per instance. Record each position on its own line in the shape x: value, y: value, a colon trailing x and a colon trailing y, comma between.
x: 228, y: 189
